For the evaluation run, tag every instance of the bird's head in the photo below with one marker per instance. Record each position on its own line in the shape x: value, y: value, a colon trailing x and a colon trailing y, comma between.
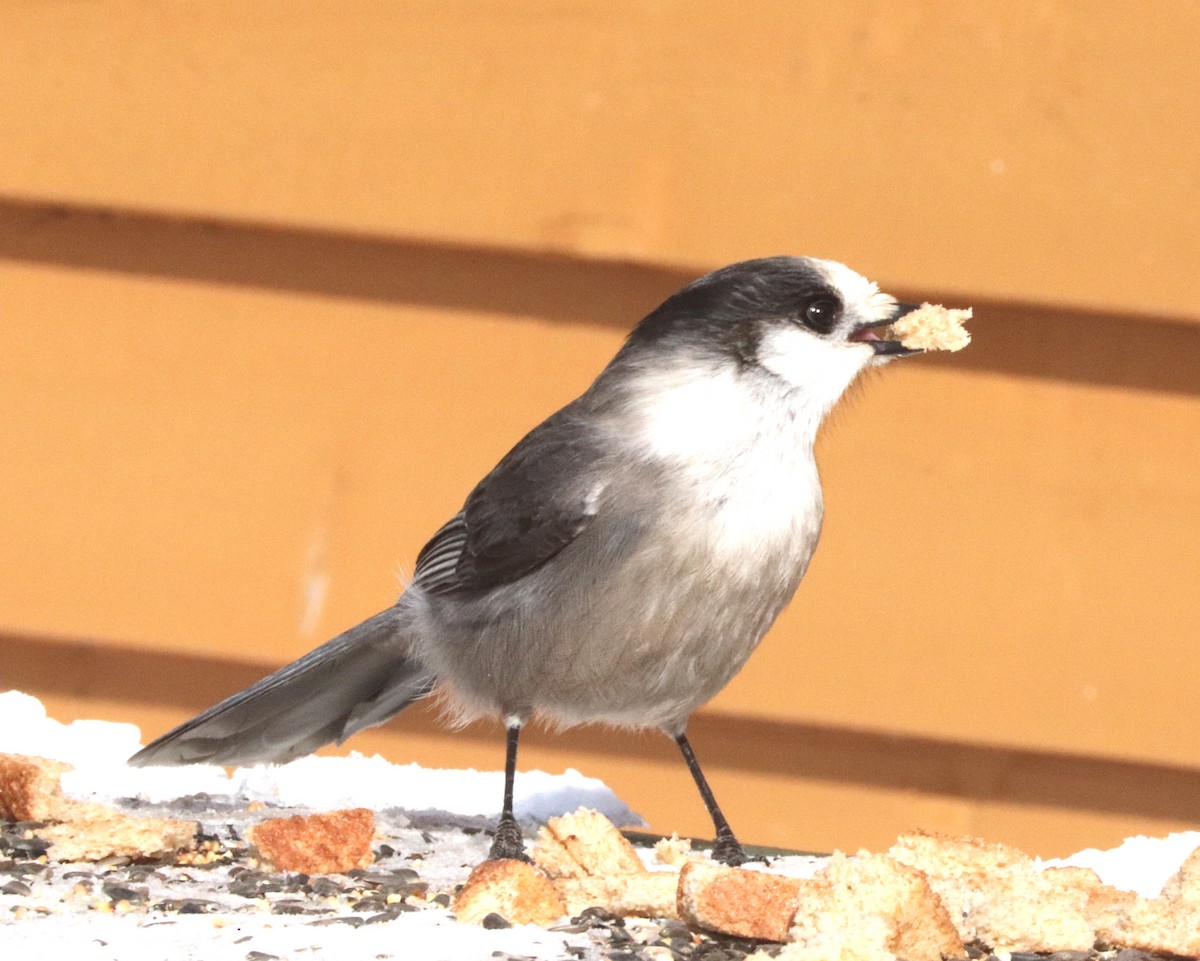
x: 812, y: 324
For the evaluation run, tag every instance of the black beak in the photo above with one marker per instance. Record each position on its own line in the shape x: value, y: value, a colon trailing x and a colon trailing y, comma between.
x: 870, y: 334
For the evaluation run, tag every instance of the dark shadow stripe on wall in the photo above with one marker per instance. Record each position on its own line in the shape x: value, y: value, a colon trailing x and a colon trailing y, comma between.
x: 490, y: 280
x: 1117, y: 350
x: 190, y: 683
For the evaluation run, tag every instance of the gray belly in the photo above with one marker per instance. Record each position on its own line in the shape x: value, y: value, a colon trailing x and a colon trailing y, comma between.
x: 633, y: 626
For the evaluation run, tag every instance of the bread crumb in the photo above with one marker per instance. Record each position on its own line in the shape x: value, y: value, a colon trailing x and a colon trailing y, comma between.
x: 932, y: 327
x: 871, y: 906
x: 997, y: 895
x: 1042, y: 912
x: 653, y: 894
x: 1160, y: 926
x: 30, y: 788
x: 737, y: 901
x: 584, y: 844
x: 963, y: 871
x: 330, y: 843
x: 552, y: 856
x: 519, y: 892
x: 118, y: 835
x: 1184, y: 884
x: 673, y: 851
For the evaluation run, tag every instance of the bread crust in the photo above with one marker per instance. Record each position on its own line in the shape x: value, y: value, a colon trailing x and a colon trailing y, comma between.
x: 31, y: 790
x: 745, y: 903
x: 330, y: 843
x: 519, y: 892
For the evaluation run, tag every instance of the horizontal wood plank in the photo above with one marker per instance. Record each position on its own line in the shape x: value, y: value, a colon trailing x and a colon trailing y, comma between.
x: 1011, y: 151
x: 213, y: 468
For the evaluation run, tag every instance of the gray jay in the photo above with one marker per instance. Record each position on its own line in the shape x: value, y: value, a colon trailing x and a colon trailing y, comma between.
x: 623, y: 560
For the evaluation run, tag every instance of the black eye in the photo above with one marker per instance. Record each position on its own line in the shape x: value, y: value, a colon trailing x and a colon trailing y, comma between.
x: 821, y: 315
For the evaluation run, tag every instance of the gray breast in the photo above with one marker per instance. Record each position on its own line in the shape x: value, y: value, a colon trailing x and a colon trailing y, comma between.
x: 638, y: 621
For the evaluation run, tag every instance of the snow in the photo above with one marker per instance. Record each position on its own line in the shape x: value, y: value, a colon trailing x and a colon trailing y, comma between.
x: 1138, y: 864
x: 98, y: 750
x: 424, y: 934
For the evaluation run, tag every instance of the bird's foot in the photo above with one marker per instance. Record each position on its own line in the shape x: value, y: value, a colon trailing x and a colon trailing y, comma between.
x: 508, y: 842
x: 729, y: 851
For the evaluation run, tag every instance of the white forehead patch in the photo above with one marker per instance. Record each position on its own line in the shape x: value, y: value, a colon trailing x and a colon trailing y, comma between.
x: 861, y: 296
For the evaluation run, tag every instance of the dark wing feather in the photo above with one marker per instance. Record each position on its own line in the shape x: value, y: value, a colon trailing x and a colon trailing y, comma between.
x: 437, y: 564
x: 537, y: 500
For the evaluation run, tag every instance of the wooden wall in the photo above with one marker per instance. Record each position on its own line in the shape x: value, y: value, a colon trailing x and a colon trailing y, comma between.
x: 279, y: 282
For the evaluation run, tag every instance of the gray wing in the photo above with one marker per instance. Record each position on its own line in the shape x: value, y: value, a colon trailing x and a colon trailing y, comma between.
x: 537, y: 500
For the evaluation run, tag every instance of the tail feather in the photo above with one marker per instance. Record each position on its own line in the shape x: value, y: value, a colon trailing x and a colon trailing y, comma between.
x: 358, y: 679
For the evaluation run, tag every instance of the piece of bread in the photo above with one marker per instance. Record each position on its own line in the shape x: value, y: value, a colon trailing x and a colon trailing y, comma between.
x: 963, y: 872
x: 584, y: 844
x: 593, y: 865
x: 519, y: 892
x: 330, y: 843
x: 1168, y: 924
x: 1184, y: 884
x: 1105, y: 906
x: 673, y: 851
x: 737, y: 901
x: 652, y: 894
x: 30, y: 788
x: 119, y: 835
x: 997, y: 895
x: 1158, y: 925
x: 870, y: 906
x: 1041, y: 912
x: 553, y: 857
x: 932, y: 327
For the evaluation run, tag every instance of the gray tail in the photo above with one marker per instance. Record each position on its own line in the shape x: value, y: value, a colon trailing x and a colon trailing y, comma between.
x: 359, y: 679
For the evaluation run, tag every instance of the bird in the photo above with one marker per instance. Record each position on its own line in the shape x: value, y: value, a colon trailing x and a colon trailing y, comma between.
x: 621, y: 563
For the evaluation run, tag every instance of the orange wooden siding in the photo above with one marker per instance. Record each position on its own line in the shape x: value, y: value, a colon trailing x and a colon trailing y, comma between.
x: 276, y: 288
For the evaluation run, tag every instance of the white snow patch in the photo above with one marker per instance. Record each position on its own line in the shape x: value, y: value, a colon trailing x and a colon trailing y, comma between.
x: 420, y: 935
x: 1138, y: 864
x: 98, y: 750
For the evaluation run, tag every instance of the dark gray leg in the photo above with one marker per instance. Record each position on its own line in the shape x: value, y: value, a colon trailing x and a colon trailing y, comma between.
x: 508, y: 842
x: 727, y: 850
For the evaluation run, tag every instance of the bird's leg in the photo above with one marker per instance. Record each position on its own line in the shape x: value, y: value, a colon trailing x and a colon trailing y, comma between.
x: 728, y: 849
x: 508, y: 842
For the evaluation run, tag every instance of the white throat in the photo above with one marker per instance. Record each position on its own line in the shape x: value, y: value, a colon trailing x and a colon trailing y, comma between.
x: 739, y: 445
